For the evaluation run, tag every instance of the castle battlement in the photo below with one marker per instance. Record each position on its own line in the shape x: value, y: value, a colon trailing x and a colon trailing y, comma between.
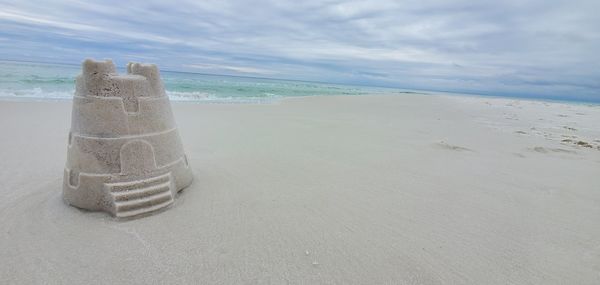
x: 101, y: 79
x: 150, y: 72
x: 125, y: 104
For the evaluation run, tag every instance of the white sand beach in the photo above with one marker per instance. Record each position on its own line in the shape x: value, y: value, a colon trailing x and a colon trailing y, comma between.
x: 407, y: 189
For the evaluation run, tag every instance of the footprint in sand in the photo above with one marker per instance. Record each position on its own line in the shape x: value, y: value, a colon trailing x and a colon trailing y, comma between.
x: 579, y: 143
x: 445, y: 145
x: 563, y: 150
x: 540, y: 149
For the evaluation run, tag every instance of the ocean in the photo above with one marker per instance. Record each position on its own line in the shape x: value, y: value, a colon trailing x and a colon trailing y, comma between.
x: 44, y: 81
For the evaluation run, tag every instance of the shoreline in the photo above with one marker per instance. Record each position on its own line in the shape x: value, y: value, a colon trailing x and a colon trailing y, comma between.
x: 275, y: 100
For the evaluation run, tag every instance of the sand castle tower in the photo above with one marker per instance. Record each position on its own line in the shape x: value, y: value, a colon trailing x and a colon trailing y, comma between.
x: 124, y: 155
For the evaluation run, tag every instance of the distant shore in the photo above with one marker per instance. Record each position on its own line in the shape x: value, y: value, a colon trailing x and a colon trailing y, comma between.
x: 403, y: 189
x: 23, y: 81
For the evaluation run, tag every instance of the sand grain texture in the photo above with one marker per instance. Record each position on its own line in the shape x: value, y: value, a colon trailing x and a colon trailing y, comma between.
x: 324, y: 190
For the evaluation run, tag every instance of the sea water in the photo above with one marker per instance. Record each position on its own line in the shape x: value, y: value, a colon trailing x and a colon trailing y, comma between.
x: 42, y: 81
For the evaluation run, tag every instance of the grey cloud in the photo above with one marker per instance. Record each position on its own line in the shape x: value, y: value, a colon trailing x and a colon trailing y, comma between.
x: 538, y: 48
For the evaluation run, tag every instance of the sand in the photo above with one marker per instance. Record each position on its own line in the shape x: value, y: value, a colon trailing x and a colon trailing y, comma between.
x: 407, y: 189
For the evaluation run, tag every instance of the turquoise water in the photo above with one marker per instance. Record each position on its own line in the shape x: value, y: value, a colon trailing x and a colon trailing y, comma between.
x: 22, y: 80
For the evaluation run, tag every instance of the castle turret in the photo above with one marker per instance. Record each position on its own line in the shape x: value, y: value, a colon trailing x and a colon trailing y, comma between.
x: 151, y: 73
x: 124, y: 153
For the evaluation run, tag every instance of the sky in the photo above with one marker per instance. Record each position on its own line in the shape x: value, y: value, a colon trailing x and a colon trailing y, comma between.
x: 524, y: 48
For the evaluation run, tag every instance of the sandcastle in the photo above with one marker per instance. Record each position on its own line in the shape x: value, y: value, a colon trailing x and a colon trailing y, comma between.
x: 124, y: 156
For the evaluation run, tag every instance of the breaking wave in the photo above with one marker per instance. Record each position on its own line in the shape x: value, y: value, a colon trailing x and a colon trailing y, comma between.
x: 38, y: 93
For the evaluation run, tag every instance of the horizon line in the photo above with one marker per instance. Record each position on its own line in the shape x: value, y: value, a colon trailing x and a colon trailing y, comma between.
x: 421, y: 91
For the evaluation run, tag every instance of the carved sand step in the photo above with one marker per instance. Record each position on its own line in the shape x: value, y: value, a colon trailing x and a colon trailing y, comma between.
x: 130, y: 185
x: 145, y: 202
x: 140, y: 193
x: 140, y: 211
x: 141, y: 196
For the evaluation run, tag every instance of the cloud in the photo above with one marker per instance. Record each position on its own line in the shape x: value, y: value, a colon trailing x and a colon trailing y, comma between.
x: 537, y: 48
x: 220, y: 68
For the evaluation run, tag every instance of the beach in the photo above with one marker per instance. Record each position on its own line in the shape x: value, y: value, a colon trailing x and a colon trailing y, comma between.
x: 403, y: 189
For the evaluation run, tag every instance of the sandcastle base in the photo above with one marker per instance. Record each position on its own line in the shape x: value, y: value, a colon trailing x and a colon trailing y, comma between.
x: 128, y: 197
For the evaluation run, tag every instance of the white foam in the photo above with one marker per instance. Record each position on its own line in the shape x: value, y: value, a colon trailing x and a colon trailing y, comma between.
x: 38, y: 94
